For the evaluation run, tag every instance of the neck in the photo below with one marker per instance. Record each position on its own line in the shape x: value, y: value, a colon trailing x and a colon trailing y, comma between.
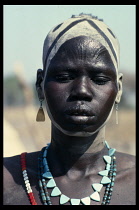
x: 78, y: 145
x: 76, y: 153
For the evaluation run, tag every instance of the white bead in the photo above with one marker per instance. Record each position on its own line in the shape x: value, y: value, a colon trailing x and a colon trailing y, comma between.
x: 29, y: 191
x: 75, y: 201
x: 97, y: 187
x: 27, y: 181
x: 28, y: 184
x: 86, y: 201
x: 28, y: 188
x: 95, y: 196
x: 25, y: 174
x: 25, y: 171
x: 25, y: 178
x: 64, y: 199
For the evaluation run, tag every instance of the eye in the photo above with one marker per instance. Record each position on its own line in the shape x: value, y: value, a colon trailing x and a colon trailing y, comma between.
x: 64, y: 78
x: 101, y: 80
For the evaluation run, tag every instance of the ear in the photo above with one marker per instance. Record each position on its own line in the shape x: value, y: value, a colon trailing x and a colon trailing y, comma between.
x: 120, y: 89
x: 40, y: 76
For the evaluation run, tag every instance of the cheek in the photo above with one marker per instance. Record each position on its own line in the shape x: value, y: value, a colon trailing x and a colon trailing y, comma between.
x: 55, y: 95
x: 107, y: 98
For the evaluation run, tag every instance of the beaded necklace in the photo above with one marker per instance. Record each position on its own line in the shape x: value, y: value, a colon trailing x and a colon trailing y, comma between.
x: 108, y: 178
x: 26, y: 179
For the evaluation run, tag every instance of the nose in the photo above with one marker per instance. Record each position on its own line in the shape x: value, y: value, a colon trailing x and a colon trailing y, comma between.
x: 81, y: 90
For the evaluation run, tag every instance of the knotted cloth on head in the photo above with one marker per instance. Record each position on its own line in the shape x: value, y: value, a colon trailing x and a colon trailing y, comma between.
x: 82, y: 25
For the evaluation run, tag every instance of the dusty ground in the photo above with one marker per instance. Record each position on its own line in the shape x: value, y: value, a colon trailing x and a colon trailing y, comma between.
x: 23, y: 133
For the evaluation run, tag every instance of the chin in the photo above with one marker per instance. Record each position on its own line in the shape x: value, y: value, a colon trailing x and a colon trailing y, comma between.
x: 77, y: 133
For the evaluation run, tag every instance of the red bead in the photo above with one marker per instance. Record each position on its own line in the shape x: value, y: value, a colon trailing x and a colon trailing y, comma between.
x: 30, y: 195
x: 23, y: 160
x: 34, y: 203
x: 23, y: 164
x: 23, y: 168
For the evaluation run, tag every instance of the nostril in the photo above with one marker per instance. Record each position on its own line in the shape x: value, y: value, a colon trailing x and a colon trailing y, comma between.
x: 80, y: 96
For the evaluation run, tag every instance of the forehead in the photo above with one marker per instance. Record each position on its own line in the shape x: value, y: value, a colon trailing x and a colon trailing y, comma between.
x: 83, y: 51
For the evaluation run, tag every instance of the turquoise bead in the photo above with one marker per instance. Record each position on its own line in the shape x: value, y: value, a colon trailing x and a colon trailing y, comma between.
x: 104, y: 198
x: 107, y: 159
x: 112, y: 184
x: 45, y: 161
x: 114, y: 174
x: 103, y: 173
x: 113, y: 179
x: 40, y: 183
x: 43, y: 198
x: 108, y: 167
x: 51, y: 183
x: 111, y: 151
x: 105, y: 180
x: 47, y: 175
x: 55, y: 192
x: 64, y: 199
x: 106, y: 143
x: 75, y: 201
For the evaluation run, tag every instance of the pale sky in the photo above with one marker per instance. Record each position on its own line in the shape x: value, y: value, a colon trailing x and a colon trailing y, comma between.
x: 26, y: 26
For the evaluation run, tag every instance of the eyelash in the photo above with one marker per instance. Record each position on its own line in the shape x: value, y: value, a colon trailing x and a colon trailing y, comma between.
x: 66, y: 78
x: 101, y: 81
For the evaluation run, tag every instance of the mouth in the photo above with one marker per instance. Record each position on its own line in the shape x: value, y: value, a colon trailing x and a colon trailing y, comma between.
x: 78, y: 115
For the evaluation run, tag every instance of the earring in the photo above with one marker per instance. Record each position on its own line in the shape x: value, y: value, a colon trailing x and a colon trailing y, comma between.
x: 40, y: 115
x: 116, y: 106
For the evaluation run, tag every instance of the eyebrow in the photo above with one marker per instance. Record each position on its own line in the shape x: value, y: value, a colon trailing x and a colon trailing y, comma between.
x: 90, y: 69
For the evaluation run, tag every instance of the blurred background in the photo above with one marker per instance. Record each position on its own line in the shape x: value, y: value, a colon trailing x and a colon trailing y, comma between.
x: 25, y: 28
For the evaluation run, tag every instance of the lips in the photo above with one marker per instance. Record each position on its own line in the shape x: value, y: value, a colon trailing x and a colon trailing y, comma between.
x: 79, y: 110
x: 80, y: 114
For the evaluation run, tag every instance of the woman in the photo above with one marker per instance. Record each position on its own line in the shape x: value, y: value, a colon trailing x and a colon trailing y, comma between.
x: 80, y: 84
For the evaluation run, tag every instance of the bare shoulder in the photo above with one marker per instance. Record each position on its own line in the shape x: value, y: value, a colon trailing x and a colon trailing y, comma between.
x: 12, y: 180
x: 11, y: 168
x: 14, y: 188
x: 126, y: 160
x: 124, y: 188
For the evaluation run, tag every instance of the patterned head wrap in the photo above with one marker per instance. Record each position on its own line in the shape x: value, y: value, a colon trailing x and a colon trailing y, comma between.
x: 82, y: 25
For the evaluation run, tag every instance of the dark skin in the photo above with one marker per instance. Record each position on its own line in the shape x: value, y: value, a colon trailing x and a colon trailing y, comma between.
x: 80, y: 89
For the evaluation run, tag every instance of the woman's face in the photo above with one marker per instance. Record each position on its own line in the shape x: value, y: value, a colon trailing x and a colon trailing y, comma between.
x: 80, y: 86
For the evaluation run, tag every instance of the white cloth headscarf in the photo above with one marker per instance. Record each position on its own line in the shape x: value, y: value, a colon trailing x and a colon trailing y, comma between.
x: 82, y: 25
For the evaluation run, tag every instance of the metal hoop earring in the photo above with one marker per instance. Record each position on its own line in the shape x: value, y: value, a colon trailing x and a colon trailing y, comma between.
x: 116, y: 107
x: 40, y: 115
